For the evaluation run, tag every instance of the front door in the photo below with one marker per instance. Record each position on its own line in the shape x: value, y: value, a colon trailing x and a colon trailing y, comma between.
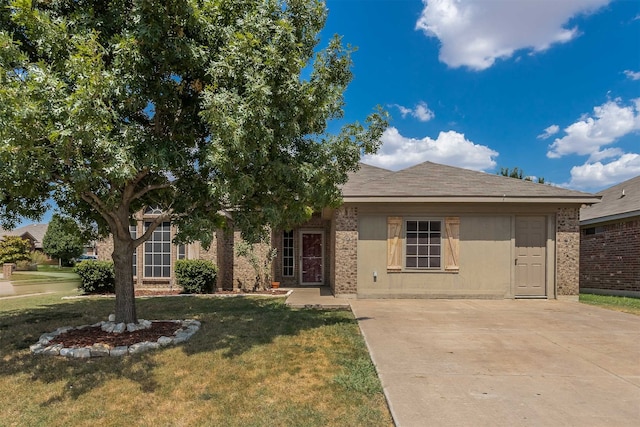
x: 530, y: 270
x: 312, y: 257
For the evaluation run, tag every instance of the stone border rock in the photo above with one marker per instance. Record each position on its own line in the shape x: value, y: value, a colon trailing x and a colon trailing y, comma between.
x: 43, y: 346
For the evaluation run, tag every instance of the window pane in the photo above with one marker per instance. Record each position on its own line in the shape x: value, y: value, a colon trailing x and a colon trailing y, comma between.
x: 422, y: 244
x: 287, y: 253
x: 157, y: 251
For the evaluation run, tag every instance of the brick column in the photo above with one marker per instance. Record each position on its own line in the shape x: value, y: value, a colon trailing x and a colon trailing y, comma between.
x: 346, y: 251
x: 568, y: 251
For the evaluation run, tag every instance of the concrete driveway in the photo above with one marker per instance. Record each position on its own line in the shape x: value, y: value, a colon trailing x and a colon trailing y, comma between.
x: 504, y: 363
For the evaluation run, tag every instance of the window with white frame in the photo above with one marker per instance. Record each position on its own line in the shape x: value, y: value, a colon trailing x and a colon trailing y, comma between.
x: 134, y: 235
x: 153, y: 210
x: 287, y: 254
x: 157, y: 251
x: 182, y: 251
x: 423, y: 244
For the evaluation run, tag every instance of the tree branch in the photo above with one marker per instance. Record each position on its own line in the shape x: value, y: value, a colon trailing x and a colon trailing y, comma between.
x: 149, y: 188
x: 128, y: 193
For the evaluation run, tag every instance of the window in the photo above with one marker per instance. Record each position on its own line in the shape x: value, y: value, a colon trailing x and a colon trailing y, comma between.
x: 157, y: 251
x: 287, y: 254
x: 593, y: 230
x: 153, y: 210
x: 423, y: 242
x: 182, y: 251
x: 134, y: 235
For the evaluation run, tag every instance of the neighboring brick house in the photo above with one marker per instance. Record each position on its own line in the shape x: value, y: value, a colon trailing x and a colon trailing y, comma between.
x: 428, y: 231
x: 610, y: 242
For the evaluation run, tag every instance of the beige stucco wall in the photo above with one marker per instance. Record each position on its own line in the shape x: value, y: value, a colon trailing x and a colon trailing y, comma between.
x: 487, y: 252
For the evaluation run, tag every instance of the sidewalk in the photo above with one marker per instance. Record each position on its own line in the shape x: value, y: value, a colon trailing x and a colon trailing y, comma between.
x: 319, y: 297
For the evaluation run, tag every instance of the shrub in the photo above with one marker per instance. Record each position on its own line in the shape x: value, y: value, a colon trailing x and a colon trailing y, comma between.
x: 38, y: 257
x: 96, y: 277
x: 196, y: 276
x: 26, y: 265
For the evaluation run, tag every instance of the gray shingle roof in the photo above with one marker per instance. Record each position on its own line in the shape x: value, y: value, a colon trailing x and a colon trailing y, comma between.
x: 435, y: 180
x: 614, y: 204
x: 37, y: 231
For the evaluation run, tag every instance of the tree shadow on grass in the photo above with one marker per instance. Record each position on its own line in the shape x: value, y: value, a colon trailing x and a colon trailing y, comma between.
x: 230, y: 325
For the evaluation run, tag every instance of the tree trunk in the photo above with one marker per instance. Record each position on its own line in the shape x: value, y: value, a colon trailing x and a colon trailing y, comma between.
x: 125, y: 294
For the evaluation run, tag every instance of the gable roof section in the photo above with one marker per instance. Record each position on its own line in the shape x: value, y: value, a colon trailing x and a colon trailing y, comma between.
x: 439, y: 183
x: 365, y: 174
x: 36, y: 231
x: 614, y: 205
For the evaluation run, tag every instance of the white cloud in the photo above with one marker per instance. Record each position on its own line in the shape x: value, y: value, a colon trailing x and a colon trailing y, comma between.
x: 474, y: 33
x: 633, y: 75
x: 450, y: 148
x: 588, y: 135
x: 420, y: 112
x: 597, y: 175
x: 548, y: 132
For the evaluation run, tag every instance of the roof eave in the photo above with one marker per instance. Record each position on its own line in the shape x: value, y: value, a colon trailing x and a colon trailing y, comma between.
x: 615, y: 217
x: 470, y: 199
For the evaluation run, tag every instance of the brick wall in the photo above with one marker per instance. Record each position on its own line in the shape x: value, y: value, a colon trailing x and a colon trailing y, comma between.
x: 345, y: 279
x: 244, y: 274
x: 610, y: 259
x: 567, y: 250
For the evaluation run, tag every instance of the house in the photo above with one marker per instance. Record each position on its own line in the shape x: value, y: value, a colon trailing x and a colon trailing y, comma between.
x: 610, y: 242
x: 34, y: 233
x: 429, y: 231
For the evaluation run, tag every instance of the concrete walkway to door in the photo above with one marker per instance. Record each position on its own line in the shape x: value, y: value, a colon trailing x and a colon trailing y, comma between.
x: 504, y: 363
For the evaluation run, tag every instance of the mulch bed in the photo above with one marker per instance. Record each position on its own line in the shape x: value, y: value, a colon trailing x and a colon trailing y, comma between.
x: 91, y: 335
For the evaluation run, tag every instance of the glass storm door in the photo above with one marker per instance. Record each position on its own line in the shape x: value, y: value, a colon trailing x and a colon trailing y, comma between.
x: 312, y: 260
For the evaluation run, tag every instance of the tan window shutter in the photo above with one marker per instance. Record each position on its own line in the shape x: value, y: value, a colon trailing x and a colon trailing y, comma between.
x: 452, y: 243
x: 394, y: 243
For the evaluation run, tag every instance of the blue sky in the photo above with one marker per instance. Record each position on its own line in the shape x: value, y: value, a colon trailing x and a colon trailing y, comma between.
x: 549, y: 86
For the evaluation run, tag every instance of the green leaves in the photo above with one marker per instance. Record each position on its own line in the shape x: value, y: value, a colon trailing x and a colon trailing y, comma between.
x: 194, y: 106
x: 63, y: 239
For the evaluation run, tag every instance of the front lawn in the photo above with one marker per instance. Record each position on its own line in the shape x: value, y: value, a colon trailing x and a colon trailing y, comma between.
x: 625, y: 304
x: 254, y: 362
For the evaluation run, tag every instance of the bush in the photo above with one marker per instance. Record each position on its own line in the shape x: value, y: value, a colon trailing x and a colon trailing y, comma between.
x: 97, y: 277
x: 196, y: 276
x: 26, y: 265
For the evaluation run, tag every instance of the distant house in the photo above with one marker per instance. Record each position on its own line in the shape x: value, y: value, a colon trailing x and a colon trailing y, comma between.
x: 610, y: 242
x: 35, y: 234
x: 429, y: 231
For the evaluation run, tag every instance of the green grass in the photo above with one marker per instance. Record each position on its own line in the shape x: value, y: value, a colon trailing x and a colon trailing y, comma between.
x: 625, y: 304
x: 54, y: 268
x: 254, y: 362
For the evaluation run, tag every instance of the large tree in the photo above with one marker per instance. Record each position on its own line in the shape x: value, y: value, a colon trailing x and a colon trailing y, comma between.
x: 192, y: 106
x: 63, y: 239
